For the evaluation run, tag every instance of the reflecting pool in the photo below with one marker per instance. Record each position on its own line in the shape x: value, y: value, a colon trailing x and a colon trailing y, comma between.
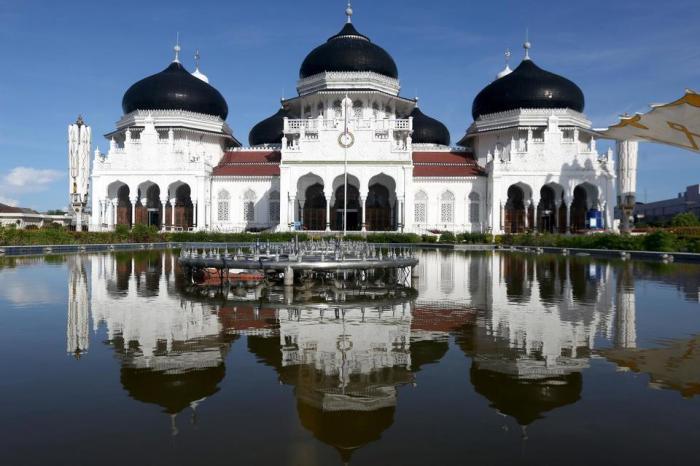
x: 499, y: 358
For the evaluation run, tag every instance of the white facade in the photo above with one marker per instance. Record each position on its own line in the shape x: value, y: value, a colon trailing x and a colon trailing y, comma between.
x: 527, y: 169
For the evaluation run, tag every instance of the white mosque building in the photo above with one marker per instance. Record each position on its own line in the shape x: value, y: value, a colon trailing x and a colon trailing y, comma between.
x: 350, y: 151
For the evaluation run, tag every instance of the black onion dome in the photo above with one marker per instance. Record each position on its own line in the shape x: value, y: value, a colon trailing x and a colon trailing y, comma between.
x: 348, y: 51
x: 270, y: 130
x: 528, y: 86
x: 427, y: 130
x: 175, y: 88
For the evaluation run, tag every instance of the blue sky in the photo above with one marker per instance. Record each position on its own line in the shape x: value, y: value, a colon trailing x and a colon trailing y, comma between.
x: 60, y: 59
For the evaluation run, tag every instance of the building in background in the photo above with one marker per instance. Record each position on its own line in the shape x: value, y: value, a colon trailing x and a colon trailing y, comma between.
x: 21, y: 217
x: 665, y: 210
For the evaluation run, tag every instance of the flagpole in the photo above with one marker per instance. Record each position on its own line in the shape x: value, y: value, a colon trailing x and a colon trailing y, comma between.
x: 345, y: 184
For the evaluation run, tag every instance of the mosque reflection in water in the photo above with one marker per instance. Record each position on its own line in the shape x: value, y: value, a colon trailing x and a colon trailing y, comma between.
x: 527, y: 324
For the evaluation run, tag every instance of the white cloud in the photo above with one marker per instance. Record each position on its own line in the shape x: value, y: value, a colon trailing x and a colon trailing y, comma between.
x: 8, y: 201
x: 25, y: 179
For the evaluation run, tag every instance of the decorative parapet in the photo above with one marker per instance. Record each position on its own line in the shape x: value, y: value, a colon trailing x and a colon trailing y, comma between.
x: 347, y: 80
x: 529, y: 117
x: 174, y: 118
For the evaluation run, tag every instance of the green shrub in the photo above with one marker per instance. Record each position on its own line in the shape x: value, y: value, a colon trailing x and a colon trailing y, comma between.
x: 474, y: 238
x: 447, y: 237
x: 429, y: 239
x: 660, y: 241
x: 144, y: 234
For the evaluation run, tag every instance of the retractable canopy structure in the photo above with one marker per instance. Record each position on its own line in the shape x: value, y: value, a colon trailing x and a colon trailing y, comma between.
x: 676, y: 123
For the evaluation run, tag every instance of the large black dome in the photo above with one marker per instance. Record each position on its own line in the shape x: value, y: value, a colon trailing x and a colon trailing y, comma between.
x: 270, y: 130
x: 174, y: 88
x: 427, y: 130
x: 528, y: 86
x: 348, y: 51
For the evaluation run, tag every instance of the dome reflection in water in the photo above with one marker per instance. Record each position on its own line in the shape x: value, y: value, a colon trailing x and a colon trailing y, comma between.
x: 528, y: 328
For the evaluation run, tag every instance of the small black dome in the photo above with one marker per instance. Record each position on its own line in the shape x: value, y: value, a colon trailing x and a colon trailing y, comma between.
x: 427, y: 130
x: 528, y: 86
x: 348, y: 51
x: 270, y: 130
x: 174, y: 88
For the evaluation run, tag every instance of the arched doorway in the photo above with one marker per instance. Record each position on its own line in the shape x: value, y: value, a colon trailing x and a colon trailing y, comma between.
x: 123, y: 206
x: 547, y: 210
x: 184, y: 209
x: 579, y: 209
x: 354, y: 215
x: 149, y: 212
x: 378, y: 206
x: 514, y: 221
x: 314, y: 210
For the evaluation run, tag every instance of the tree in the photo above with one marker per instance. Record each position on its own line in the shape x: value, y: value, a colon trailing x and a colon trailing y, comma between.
x: 687, y: 219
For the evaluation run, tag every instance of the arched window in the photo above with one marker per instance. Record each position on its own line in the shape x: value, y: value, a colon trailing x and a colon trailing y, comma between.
x: 474, y: 207
x: 224, y: 206
x: 319, y: 108
x: 274, y: 207
x: 447, y: 207
x: 375, y: 110
x: 357, y: 109
x: 249, y: 206
x: 307, y: 112
x: 338, y: 109
x: 421, y: 207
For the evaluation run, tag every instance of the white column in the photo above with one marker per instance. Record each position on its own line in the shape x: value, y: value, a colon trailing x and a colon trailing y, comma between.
x: 134, y: 199
x: 328, y: 212
x: 402, y: 213
x: 100, y: 213
x: 527, y: 214
x: 535, y: 203
x: 291, y: 211
x: 302, y: 204
x: 557, y: 206
x: 195, y: 207
x: 113, y: 213
x: 363, y: 203
x: 567, y: 202
x: 172, y: 213
x: 163, y: 202
x: 603, y: 206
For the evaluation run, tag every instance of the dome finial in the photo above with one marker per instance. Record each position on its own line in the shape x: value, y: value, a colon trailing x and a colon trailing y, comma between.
x: 348, y: 12
x: 527, y: 45
x: 197, y: 73
x: 505, y: 71
x: 177, y: 49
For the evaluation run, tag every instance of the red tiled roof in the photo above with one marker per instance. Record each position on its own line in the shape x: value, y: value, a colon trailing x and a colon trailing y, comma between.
x: 8, y: 209
x: 249, y: 163
x: 445, y: 164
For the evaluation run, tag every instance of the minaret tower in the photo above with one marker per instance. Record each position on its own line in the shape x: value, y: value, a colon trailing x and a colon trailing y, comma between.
x: 79, y: 141
x: 627, y: 152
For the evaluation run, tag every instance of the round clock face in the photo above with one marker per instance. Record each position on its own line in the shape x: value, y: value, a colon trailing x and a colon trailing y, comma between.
x: 346, y: 140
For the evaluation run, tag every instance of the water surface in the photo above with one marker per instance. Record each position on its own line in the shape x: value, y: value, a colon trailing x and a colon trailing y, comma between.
x: 502, y: 358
